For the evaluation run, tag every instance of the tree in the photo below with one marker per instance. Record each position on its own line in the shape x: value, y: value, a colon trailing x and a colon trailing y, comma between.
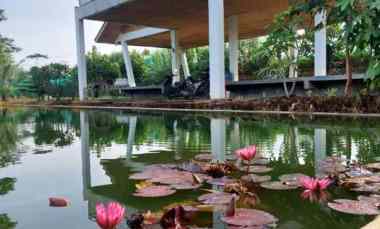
x: 359, y: 23
x: 101, y: 68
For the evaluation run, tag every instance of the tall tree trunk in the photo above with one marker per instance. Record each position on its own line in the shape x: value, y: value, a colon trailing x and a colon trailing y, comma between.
x: 348, y: 89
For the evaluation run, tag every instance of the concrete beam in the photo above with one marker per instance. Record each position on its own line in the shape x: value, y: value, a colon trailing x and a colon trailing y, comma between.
x: 141, y: 33
x: 81, y: 56
x: 94, y: 7
x: 233, y: 37
x: 320, y: 56
x: 216, y: 46
x: 128, y: 65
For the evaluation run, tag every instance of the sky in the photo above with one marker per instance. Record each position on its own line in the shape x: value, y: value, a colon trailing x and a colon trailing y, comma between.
x: 47, y: 27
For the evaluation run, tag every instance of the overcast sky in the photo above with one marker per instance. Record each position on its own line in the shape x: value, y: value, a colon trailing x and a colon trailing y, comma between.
x: 47, y: 27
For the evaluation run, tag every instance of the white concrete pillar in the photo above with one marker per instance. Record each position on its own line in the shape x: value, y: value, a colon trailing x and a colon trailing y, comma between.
x: 185, y: 64
x: 320, y: 55
x: 81, y: 56
x: 216, y: 46
x: 128, y: 65
x: 293, y: 54
x: 85, y: 150
x: 131, y: 136
x: 233, y: 46
x: 218, y: 139
x: 175, y: 56
x: 319, y: 147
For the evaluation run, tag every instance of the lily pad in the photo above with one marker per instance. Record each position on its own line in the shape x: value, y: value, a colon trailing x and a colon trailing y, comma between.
x: 293, y: 178
x: 256, y: 178
x: 258, y: 161
x: 277, y: 185
x: 219, y: 198
x: 221, y: 181
x: 186, y: 186
x: 256, y: 169
x: 373, y: 200
x: 369, y: 188
x: 155, y: 191
x: 374, y: 166
x: 249, y: 217
x: 353, y: 207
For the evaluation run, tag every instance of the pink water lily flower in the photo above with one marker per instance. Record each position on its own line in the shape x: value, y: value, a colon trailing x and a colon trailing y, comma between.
x: 108, y: 217
x: 324, y: 183
x: 314, y: 184
x: 247, y: 153
x: 309, y: 183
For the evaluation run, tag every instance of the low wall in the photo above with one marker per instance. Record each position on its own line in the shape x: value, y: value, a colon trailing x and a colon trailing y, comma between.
x: 305, y: 86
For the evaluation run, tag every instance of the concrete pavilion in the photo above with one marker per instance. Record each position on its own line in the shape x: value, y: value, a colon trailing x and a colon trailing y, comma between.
x: 182, y: 24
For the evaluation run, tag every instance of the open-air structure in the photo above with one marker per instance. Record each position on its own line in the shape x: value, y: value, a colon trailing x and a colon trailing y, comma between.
x: 179, y: 25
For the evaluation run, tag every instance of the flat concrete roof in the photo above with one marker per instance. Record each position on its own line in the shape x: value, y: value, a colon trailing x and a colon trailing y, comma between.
x: 189, y: 18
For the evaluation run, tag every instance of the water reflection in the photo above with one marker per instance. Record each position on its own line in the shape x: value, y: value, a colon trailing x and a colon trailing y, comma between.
x: 115, y: 145
x: 291, y: 147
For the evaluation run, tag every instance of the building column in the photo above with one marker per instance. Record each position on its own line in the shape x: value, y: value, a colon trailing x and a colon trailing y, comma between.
x: 216, y: 46
x: 320, y: 43
x: 233, y: 46
x: 81, y: 56
x: 185, y: 64
x: 85, y: 150
x: 218, y: 139
x: 293, y: 54
x: 319, y: 147
x: 175, y: 56
x: 128, y: 65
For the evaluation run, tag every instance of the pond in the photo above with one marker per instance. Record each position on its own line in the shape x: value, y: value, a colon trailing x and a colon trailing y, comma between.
x: 88, y: 157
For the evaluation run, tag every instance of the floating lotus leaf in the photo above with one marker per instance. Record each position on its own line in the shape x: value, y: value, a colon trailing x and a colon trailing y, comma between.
x: 369, y: 188
x: 250, y: 217
x: 256, y: 178
x: 331, y: 165
x: 151, y: 172
x: 219, y: 198
x: 360, y: 181
x: 155, y: 191
x: 221, y: 181
x: 186, y: 186
x: 358, y: 171
x: 258, y: 161
x: 58, y: 202
x: 256, y: 169
x: 353, y: 207
x: 277, y: 185
x: 190, y: 167
x: 293, y: 179
x: 373, y: 200
x: 374, y: 166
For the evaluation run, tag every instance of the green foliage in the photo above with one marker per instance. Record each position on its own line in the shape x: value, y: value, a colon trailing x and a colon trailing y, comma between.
x: 6, y: 222
x: 101, y: 68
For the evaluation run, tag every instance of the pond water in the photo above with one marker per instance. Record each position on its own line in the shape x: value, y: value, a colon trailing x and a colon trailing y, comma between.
x: 87, y: 157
